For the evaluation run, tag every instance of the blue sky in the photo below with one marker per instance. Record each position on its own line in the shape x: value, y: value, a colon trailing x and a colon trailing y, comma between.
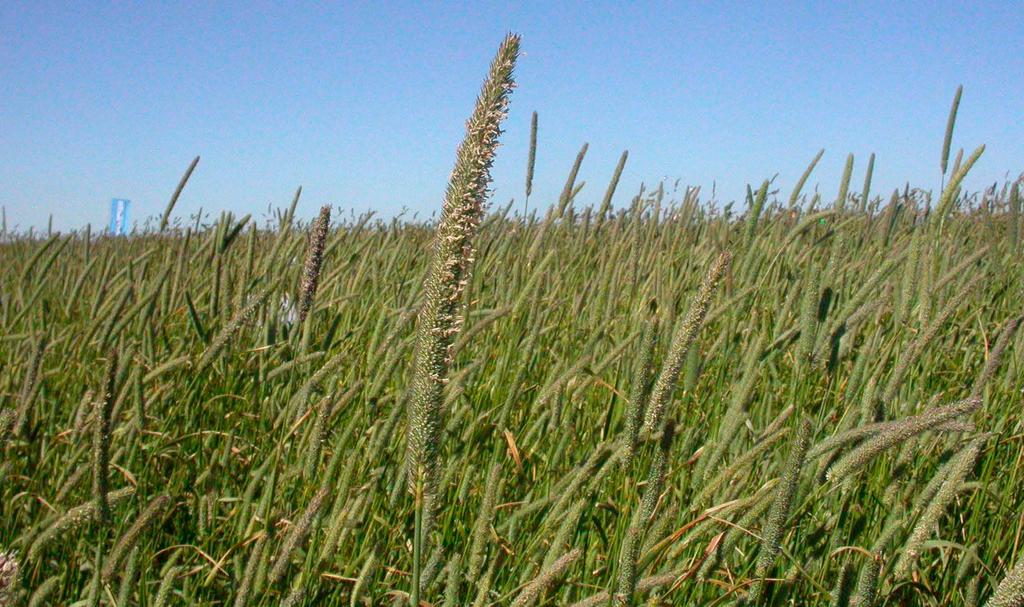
x: 364, y: 104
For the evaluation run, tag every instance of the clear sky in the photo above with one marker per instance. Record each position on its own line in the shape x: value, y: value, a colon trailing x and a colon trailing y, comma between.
x: 364, y: 104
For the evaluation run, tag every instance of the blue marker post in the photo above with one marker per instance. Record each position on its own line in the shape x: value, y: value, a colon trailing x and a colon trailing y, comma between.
x: 119, y: 216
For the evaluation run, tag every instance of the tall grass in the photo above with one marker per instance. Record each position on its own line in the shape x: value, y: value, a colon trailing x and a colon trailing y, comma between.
x: 646, y: 400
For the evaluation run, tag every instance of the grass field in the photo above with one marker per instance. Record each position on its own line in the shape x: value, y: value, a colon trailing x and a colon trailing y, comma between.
x: 815, y: 401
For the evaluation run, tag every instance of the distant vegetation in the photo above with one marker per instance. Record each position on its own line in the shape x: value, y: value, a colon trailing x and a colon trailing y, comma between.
x: 817, y: 402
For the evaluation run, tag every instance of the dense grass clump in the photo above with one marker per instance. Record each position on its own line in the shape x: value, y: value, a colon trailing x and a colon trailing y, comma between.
x: 664, y: 403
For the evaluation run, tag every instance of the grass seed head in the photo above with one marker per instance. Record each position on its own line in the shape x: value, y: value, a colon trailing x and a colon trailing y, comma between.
x: 10, y: 577
x: 314, y: 261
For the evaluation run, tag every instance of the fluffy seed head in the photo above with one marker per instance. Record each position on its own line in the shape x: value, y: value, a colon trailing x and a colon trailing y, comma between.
x: 449, y: 271
x: 681, y: 343
x: 10, y: 574
x: 1010, y: 592
x: 314, y: 260
x: 547, y: 577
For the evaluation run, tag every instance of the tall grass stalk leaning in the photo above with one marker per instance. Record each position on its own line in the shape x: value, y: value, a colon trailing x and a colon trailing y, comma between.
x: 682, y: 341
x: 314, y: 259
